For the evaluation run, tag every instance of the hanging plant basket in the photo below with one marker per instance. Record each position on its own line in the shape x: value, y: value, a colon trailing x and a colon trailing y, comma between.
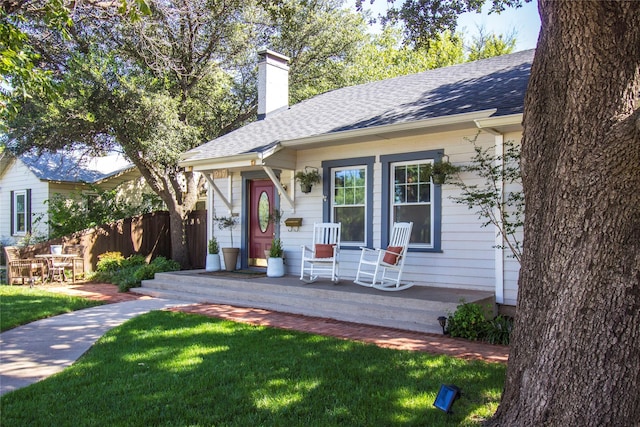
x: 307, y: 178
x: 441, y: 170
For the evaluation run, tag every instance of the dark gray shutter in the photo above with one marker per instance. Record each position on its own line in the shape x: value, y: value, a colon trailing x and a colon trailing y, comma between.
x: 12, y: 214
x: 28, y: 218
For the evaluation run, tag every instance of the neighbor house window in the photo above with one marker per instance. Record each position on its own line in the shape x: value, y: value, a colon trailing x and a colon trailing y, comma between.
x: 20, y: 212
x: 348, y: 183
x: 410, y: 196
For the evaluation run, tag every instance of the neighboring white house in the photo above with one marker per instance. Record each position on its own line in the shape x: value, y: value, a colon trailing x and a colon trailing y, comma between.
x: 369, y: 142
x: 28, y: 180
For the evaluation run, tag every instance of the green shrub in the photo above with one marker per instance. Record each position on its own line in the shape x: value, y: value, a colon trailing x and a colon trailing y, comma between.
x: 499, y: 330
x: 128, y: 272
x: 158, y: 265
x: 135, y: 260
x: 164, y: 264
x: 213, y: 245
x: 276, y: 249
x: 468, y: 321
x: 109, y: 262
x: 125, y: 278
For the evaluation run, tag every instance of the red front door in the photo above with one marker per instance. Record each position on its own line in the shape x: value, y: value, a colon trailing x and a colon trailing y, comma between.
x: 261, y: 230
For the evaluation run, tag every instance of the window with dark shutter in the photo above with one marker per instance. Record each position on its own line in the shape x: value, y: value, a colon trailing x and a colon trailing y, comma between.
x: 20, y: 212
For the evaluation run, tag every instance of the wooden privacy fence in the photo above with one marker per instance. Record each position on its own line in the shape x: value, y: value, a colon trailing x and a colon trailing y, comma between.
x: 147, y: 234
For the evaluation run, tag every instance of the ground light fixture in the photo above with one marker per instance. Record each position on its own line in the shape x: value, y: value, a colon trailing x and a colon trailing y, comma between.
x: 443, y: 322
x: 446, y: 396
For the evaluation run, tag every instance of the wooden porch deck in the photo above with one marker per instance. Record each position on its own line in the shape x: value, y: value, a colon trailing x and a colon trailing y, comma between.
x: 414, y: 309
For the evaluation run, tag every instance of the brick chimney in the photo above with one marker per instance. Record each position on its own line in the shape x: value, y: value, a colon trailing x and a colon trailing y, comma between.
x: 273, y: 82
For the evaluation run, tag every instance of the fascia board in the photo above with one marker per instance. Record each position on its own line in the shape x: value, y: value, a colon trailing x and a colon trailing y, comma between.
x: 434, y: 122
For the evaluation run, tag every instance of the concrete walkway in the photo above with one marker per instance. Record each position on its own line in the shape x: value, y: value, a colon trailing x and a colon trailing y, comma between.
x: 37, y: 350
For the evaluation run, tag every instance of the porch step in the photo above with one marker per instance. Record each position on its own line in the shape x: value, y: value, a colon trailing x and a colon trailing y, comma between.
x: 414, y: 309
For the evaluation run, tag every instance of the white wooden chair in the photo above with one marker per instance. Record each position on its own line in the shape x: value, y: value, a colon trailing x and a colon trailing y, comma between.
x: 382, y: 268
x: 321, y: 258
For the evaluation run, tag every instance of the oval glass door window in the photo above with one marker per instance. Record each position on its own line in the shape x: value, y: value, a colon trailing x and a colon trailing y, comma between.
x: 263, y: 211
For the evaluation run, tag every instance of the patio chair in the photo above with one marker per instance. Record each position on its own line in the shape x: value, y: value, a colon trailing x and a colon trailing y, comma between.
x: 23, y: 269
x: 382, y: 268
x: 76, y: 264
x: 321, y: 258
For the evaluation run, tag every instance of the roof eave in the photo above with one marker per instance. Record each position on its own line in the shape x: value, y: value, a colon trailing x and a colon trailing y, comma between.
x: 434, y: 124
x: 501, y: 124
x: 226, y: 162
x: 115, y: 174
x: 255, y: 158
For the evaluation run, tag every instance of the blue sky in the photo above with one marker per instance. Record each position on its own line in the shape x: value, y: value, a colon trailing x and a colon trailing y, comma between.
x: 525, y: 21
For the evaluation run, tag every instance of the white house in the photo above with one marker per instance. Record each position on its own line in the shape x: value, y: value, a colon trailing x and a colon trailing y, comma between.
x: 369, y: 142
x: 28, y: 180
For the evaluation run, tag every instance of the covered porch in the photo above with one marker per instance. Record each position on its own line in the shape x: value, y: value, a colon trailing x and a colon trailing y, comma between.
x: 415, y: 309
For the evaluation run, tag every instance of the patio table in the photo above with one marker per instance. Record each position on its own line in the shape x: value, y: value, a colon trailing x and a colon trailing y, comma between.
x: 60, y: 261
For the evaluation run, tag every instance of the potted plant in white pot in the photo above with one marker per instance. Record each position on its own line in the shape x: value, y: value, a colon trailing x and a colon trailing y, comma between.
x: 275, y: 263
x: 230, y: 255
x: 275, y: 218
x: 213, y: 257
x: 307, y: 178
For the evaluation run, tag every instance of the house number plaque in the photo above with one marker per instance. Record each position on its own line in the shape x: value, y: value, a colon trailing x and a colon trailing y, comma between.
x: 220, y: 173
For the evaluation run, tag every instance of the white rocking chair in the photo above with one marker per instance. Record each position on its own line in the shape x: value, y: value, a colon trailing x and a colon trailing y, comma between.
x: 321, y: 259
x: 382, y: 268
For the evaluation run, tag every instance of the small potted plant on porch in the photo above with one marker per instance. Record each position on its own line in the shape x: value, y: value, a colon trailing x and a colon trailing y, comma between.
x: 307, y: 178
x: 275, y: 263
x: 275, y: 218
x: 230, y: 255
x: 213, y: 257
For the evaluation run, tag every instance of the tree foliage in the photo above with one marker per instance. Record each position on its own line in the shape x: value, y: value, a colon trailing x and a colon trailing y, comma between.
x: 168, y: 81
x: 20, y: 73
x: 73, y: 212
x: 24, y: 71
x: 424, y: 20
x: 385, y: 57
x: 487, y: 45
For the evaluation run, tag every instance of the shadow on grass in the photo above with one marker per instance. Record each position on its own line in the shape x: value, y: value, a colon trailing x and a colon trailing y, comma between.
x: 166, y: 368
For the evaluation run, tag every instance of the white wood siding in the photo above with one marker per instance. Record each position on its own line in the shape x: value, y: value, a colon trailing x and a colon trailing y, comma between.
x: 467, y: 259
x: 18, y: 177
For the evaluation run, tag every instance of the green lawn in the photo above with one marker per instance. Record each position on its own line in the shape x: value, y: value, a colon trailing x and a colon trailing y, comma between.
x: 20, y: 305
x: 177, y: 369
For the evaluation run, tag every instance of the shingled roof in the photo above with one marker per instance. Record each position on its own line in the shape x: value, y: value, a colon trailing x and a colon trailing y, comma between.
x: 64, y: 167
x: 495, y: 83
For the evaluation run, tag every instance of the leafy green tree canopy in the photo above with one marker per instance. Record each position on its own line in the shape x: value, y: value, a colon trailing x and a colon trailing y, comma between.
x: 424, y: 20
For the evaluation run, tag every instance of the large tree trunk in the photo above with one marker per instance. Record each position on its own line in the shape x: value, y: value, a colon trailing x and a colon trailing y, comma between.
x: 575, y: 353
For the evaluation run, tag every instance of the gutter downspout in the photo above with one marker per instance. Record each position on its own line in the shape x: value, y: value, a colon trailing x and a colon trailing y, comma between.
x: 499, y: 247
x: 498, y: 262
